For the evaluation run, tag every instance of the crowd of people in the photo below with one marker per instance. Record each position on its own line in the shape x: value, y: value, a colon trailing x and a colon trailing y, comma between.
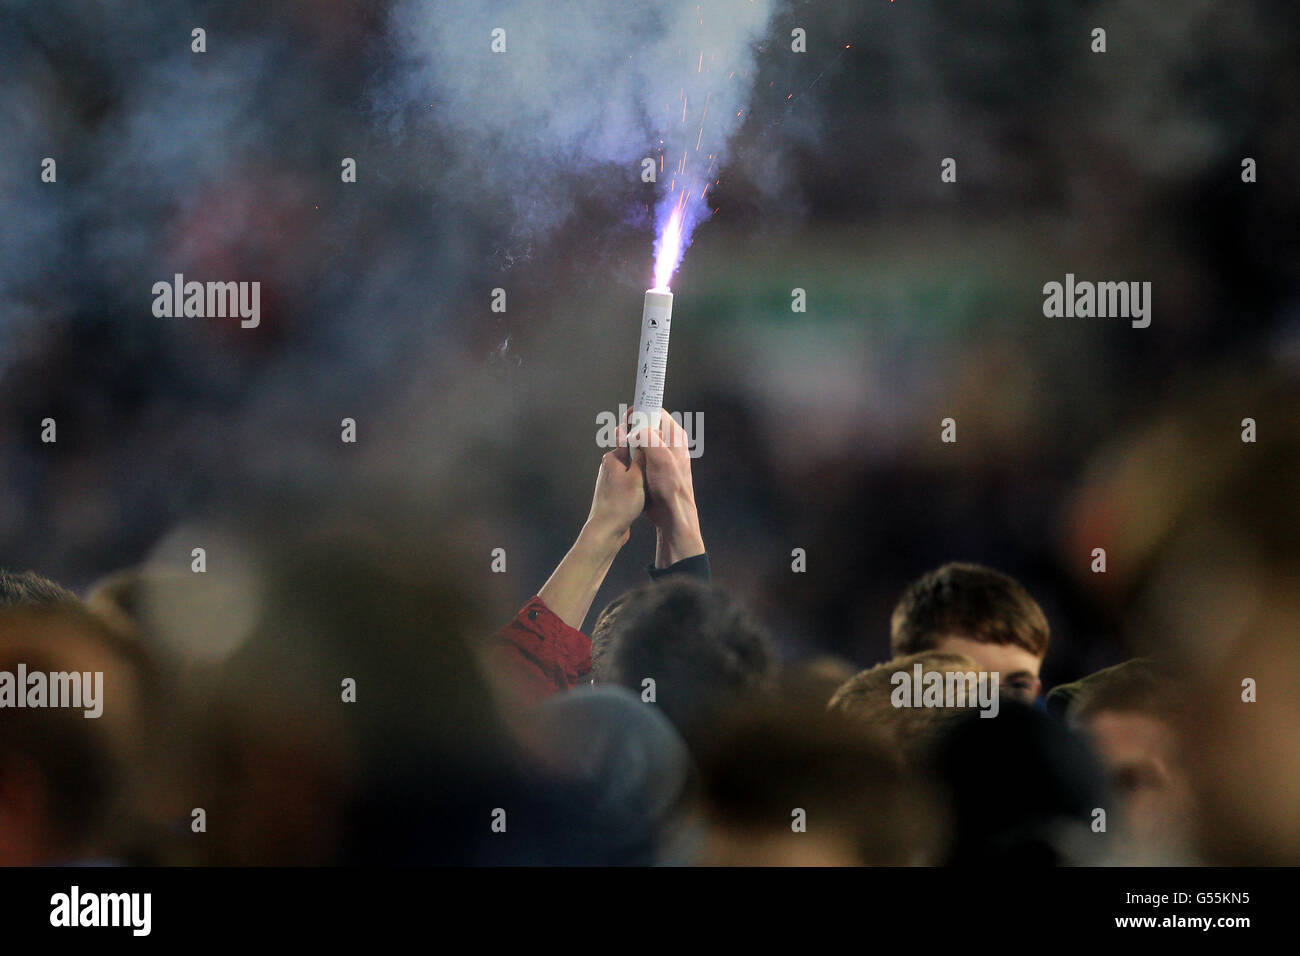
x: 363, y: 715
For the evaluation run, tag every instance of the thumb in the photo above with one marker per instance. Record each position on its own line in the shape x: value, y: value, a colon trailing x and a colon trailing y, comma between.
x: 621, y: 451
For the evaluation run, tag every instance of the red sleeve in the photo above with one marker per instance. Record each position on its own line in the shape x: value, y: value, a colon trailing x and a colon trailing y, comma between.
x: 538, y: 654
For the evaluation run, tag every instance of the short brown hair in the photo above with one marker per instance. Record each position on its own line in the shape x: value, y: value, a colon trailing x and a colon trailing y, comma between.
x: 1136, y: 686
x: 866, y: 698
x: 601, y: 636
x: 702, y: 647
x: 29, y: 589
x: 967, y: 600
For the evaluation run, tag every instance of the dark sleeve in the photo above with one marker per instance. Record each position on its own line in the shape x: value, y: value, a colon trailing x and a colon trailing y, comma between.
x: 695, y: 567
x: 538, y: 654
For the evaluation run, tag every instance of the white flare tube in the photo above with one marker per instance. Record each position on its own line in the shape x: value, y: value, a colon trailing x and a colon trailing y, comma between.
x: 651, y: 360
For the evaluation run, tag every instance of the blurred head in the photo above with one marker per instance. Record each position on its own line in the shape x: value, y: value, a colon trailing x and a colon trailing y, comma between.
x: 63, y: 774
x: 866, y: 698
x: 1200, y: 532
x: 812, y: 681
x: 354, y: 724
x: 1127, y: 714
x: 171, y: 614
x: 787, y: 786
x: 1022, y: 790
x: 1242, y: 725
x: 979, y: 613
x: 625, y: 773
x: 699, y: 646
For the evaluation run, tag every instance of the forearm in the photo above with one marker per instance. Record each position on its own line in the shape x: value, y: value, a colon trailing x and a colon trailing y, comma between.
x: 573, y: 585
x: 679, y: 537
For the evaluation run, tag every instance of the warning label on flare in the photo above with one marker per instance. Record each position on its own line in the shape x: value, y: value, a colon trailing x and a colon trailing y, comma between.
x: 652, y: 356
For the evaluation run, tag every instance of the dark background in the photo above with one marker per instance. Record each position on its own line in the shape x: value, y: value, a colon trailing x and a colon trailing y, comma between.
x: 821, y: 429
